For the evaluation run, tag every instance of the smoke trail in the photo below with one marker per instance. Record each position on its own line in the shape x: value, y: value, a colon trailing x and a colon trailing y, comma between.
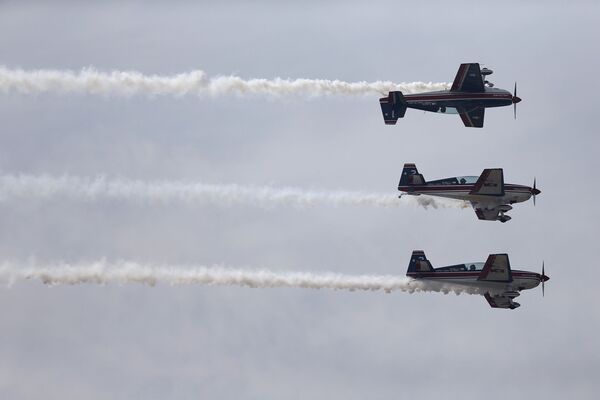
x: 125, y: 272
x: 163, y: 192
x: 129, y: 83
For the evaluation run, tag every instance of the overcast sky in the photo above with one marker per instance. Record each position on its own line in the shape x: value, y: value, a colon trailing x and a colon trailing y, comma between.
x: 131, y: 341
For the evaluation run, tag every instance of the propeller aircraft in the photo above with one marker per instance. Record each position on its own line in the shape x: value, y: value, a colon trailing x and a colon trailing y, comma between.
x: 490, y: 197
x: 471, y: 93
x: 495, y: 279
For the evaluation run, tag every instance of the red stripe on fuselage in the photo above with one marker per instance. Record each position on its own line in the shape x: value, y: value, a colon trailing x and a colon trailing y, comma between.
x: 467, y: 274
x: 458, y: 188
x: 456, y: 96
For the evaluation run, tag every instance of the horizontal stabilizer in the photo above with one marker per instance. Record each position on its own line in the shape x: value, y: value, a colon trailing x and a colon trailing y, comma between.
x: 392, y: 107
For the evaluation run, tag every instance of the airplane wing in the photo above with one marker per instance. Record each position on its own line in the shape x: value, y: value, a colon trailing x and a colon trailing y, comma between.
x: 486, y: 214
x: 500, y: 301
x: 473, y: 118
x: 468, y: 79
x: 490, y: 183
x: 496, y: 269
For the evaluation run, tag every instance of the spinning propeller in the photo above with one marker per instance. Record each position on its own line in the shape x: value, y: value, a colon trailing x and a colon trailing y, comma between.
x: 534, y: 191
x: 515, y: 100
x: 543, y: 278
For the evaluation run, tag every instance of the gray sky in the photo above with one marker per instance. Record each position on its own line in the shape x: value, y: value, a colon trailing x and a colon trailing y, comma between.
x: 227, y: 342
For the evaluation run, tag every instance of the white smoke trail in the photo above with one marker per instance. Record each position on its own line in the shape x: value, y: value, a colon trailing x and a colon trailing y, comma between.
x: 100, y: 188
x: 125, y: 272
x: 129, y: 83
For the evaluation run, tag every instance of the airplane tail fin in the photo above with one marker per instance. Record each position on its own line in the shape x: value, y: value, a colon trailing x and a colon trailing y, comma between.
x: 418, y: 263
x: 411, y: 176
x: 392, y: 107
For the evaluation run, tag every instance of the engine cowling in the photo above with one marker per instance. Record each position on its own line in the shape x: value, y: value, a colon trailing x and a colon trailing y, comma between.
x: 505, y: 208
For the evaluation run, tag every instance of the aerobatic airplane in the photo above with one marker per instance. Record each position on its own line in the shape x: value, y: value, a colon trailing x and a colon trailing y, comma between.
x: 469, y: 96
x: 490, y: 197
x: 496, y: 281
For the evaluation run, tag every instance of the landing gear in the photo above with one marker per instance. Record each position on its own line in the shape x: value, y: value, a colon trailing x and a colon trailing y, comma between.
x: 503, y: 218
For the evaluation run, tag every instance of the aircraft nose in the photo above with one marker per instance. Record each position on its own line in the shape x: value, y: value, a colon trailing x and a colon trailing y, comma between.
x: 516, y: 99
x: 535, y: 191
x: 544, y: 278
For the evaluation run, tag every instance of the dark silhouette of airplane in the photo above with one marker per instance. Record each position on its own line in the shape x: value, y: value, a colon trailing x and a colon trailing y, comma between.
x: 469, y: 96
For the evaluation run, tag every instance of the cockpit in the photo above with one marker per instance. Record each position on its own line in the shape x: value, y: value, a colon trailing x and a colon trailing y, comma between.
x: 462, y: 267
x: 447, y: 110
x: 475, y: 266
x: 465, y: 180
x: 459, y: 180
x: 454, y: 110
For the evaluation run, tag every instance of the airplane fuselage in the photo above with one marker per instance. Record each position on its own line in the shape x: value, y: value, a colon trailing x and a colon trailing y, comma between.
x: 522, y: 280
x: 512, y: 193
x: 467, y: 275
x: 442, y: 101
